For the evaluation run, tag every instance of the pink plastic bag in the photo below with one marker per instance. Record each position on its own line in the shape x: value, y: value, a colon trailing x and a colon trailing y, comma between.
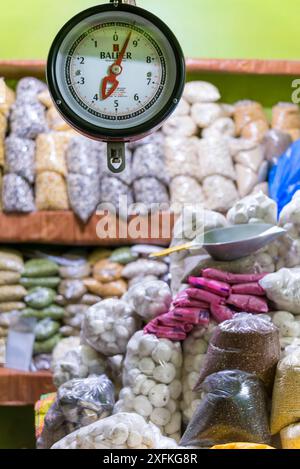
x: 191, y: 315
x: 231, y: 278
x: 183, y: 301
x: 213, y: 286
x: 221, y: 312
x: 165, y: 332
x: 248, y: 289
x: 203, y: 295
x: 248, y: 303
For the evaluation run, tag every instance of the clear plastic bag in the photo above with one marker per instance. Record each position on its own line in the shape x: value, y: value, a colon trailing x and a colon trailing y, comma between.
x: 205, y: 114
x: 7, y: 98
x: 144, y: 267
x: 214, y: 158
x: 108, y: 326
x: 46, y: 346
x: 51, y: 191
x: 50, y: 152
x: 149, y: 190
x: 255, y: 130
x: 151, y: 380
x: 185, y: 190
x: 253, y: 208
x: 48, y: 282
x: 286, y: 392
x: 275, y: 144
x: 72, y: 289
x: 121, y: 431
x: 180, y: 126
x: 283, y: 288
x: 11, y: 260
x: 75, y: 271
x: 40, y: 297
x: 12, y: 293
x: 40, y: 268
x: 105, y: 271
x: 246, y: 180
x: 17, y: 194
x: 181, y: 156
x: 148, y: 161
x: 252, y: 158
x: 55, y: 121
x: 290, y: 437
x: 233, y: 409
x: 9, y: 306
x: 246, y: 112
x: 286, y: 116
x: 83, y: 156
x: 246, y: 342
x: 78, y: 362
x: 20, y: 157
x: 150, y: 299
x: 29, y: 88
x: 106, y: 290
x: 9, y: 278
x: 201, y: 92
x: 220, y: 193
x: 79, y: 402
x: 222, y: 127
x: 111, y: 191
x: 84, y: 194
x: 28, y: 120
x: 45, y: 329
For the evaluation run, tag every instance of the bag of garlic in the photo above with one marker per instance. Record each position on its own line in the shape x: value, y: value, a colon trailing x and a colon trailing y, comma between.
x: 286, y: 392
x: 256, y: 208
x: 108, y: 326
x: 121, y: 431
x: 79, y: 402
x: 77, y: 362
x: 149, y: 299
x: 239, y: 344
x: 234, y: 409
x: 151, y: 380
x: 283, y: 288
x: 194, y: 351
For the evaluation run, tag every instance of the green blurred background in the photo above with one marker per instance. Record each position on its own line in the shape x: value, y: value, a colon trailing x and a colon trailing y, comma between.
x: 266, y: 29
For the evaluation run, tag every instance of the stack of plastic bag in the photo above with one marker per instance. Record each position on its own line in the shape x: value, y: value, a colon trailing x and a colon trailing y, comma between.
x: 27, y: 121
x: 79, y: 403
x: 41, y: 278
x: 12, y: 293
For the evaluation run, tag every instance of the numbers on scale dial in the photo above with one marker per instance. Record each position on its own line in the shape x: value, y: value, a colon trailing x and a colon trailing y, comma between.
x: 97, y: 52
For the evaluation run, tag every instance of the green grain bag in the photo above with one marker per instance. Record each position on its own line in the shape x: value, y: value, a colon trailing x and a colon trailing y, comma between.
x: 9, y: 278
x: 40, y: 268
x: 40, y: 297
x: 46, y: 346
x: 48, y: 282
x: 8, y: 306
x: 12, y: 293
x: 123, y: 256
x: 53, y: 312
x: 45, y: 329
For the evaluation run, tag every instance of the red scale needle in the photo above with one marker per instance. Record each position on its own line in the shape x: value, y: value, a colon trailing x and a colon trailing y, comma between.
x: 114, y: 70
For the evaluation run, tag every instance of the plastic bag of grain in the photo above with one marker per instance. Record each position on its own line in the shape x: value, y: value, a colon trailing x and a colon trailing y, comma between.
x: 51, y: 191
x: 20, y: 157
x: 181, y: 157
x: 214, y: 158
x: 84, y: 194
x: 27, y: 120
x: 83, y: 156
x: 148, y: 161
x: 50, y: 152
x: 233, y: 409
x: 220, y: 193
x: 17, y: 194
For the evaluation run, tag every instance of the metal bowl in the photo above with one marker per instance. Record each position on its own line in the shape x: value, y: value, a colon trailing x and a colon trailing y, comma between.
x: 234, y: 242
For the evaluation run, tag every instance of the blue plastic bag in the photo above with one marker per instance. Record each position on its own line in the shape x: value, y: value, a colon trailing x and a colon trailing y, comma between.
x: 284, y: 177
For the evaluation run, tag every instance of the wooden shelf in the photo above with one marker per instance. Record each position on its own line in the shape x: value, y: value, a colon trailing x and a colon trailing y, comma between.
x: 64, y: 228
x: 18, y: 388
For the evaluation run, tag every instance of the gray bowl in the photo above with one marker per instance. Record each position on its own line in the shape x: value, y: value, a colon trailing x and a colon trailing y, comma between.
x: 234, y: 242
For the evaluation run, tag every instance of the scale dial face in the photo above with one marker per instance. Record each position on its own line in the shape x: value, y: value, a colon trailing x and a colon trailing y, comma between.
x: 115, y: 72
